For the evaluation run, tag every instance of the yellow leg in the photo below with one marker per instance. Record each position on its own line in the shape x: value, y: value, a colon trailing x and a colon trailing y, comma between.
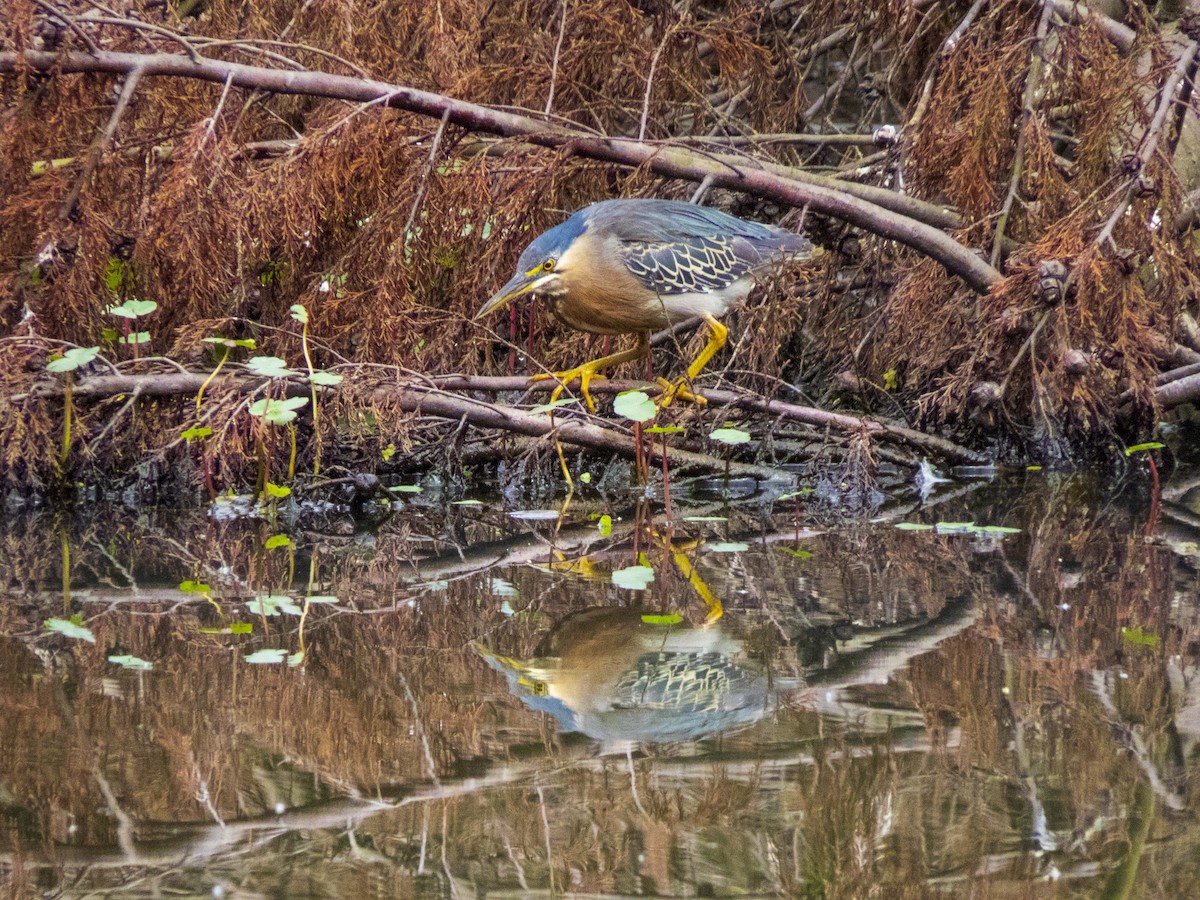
x: 719, y: 334
x: 715, y: 609
x: 586, y: 372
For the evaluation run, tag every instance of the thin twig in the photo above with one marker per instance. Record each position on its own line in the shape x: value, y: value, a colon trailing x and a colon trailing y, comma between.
x: 650, y: 80
x: 101, y: 143
x: 212, y: 121
x: 562, y: 30
x: 437, y: 141
x: 1033, y: 88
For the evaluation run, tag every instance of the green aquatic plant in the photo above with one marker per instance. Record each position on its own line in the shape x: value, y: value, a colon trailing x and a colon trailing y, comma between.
x: 66, y: 364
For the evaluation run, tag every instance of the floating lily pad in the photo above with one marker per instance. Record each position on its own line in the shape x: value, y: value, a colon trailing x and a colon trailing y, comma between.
x: 271, y: 656
x: 72, y: 629
x: 728, y: 547
x: 664, y: 619
x: 633, y: 578
x: 534, y: 515
x: 132, y: 662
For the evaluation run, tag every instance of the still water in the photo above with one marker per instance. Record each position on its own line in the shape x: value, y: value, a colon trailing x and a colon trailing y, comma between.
x: 454, y: 701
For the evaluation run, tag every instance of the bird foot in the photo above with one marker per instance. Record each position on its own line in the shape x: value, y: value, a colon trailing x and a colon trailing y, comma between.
x: 677, y: 390
x: 585, y: 373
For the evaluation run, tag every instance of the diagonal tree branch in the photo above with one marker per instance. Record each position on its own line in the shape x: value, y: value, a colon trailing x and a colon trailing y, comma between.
x: 672, y: 161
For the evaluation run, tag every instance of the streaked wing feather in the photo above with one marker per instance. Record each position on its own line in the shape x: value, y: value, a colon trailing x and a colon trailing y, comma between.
x: 694, y: 265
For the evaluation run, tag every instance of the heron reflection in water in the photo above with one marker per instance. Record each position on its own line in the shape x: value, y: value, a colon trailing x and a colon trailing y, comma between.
x: 618, y: 674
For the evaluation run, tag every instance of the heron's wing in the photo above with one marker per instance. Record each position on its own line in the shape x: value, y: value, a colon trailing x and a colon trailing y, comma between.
x: 697, y: 265
x: 673, y: 247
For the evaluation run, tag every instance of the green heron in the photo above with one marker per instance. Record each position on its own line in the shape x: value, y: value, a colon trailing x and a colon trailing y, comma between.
x: 615, y: 674
x: 635, y: 266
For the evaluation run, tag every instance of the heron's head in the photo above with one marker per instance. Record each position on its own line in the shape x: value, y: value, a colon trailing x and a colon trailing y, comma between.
x: 542, y: 268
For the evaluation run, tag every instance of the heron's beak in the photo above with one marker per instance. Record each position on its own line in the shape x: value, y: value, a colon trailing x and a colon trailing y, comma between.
x: 520, y: 284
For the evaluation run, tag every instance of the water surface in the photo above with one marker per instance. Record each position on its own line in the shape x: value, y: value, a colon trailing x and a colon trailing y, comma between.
x: 459, y: 702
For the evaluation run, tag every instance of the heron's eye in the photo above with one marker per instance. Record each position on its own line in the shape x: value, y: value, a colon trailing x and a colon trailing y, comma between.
x: 548, y: 266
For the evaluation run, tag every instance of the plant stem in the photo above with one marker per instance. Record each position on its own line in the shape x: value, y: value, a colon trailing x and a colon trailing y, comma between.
x: 208, y: 380
x: 292, y: 458
x: 66, y: 439
x: 316, y: 424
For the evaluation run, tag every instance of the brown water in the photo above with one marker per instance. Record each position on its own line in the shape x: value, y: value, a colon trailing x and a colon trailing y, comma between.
x: 474, y: 708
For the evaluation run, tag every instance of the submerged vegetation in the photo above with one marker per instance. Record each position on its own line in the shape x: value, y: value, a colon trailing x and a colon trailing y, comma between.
x: 1004, y: 192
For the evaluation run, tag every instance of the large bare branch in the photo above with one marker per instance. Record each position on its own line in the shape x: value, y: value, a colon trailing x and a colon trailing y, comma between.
x: 672, y: 161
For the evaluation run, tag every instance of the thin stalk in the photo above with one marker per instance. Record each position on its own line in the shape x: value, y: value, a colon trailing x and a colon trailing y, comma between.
x: 67, y: 407
x: 292, y: 458
x: 666, y: 483
x: 208, y: 380
x: 260, y: 453
x: 316, y: 425
x: 66, y: 570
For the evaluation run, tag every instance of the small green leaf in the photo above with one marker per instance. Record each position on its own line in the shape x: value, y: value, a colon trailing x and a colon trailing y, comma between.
x: 73, y: 359
x: 1137, y: 636
x: 406, y: 488
x: 71, y: 629
x: 276, y: 541
x: 549, y: 407
x: 665, y: 429
x: 954, y: 527
x: 889, y: 380
x: 267, y: 657
x: 1033, y: 468
x: 996, y: 529
x: 132, y: 309
x: 138, y: 337
x: 132, y: 662
x: 326, y: 379
x: 913, y: 526
x: 295, y: 659
x: 1138, y: 448
x: 231, y: 343
x: 633, y: 578
x: 197, y: 433
x: 467, y: 503
x: 730, y: 436
x: 275, y: 490
x: 277, y: 412
x: 114, y: 274
x: 586, y: 477
x: 241, y: 627
x: 668, y: 619
x: 299, y: 313
x: 635, y: 405
x: 803, y: 492
x: 388, y: 452
x: 194, y: 587
x: 798, y: 553
x: 268, y: 367
x: 605, y: 525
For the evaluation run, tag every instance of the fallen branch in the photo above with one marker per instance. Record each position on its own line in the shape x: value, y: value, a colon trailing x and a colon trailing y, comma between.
x: 424, y: 400
x: 809, y: 415
x: 671, y: 161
